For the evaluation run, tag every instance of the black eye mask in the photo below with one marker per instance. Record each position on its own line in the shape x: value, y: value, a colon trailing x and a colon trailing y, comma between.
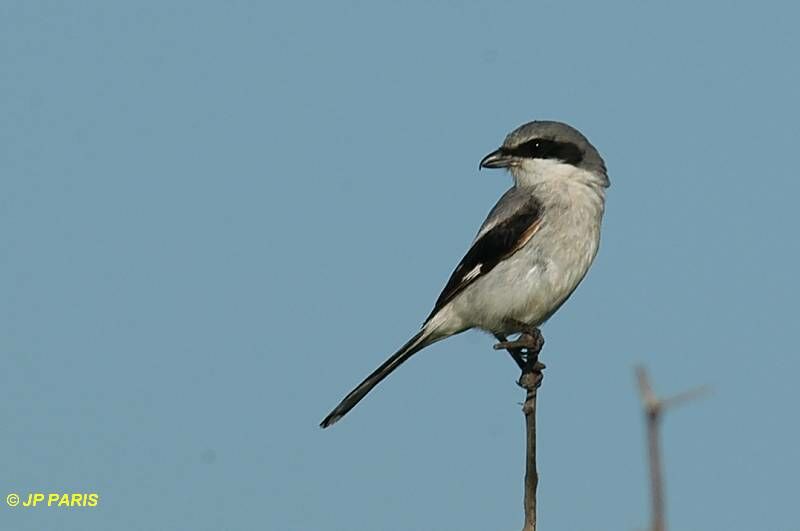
x: 541, y: 148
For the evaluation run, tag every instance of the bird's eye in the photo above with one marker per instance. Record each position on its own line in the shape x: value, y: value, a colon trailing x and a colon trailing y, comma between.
x: 535, y: 148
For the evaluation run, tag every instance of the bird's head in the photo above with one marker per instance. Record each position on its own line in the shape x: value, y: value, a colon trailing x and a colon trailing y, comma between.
x: 544, y: 151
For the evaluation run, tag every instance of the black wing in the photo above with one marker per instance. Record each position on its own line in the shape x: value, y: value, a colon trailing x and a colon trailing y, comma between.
x: 498, y: 243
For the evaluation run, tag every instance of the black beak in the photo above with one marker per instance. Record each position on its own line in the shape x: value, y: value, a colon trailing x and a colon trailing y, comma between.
x: 496, y: 159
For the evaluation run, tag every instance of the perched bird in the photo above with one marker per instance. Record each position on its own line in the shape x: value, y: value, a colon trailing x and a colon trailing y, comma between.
x: 530, y: 254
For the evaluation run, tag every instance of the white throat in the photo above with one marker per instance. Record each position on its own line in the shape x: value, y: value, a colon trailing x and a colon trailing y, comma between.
x: 549, y: 175
x: 530, y: 172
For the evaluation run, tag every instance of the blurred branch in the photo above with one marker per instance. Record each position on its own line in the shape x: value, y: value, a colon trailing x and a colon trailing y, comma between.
x: 653, y: 410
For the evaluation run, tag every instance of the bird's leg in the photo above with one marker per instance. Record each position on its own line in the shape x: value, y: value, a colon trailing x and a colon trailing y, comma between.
x: 516, y: 353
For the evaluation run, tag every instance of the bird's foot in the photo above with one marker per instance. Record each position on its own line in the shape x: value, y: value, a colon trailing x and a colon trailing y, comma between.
x: 523, y: 349
x: 532, y: 341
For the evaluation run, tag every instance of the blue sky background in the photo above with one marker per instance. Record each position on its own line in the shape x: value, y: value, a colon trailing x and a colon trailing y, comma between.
x: 219, y: 217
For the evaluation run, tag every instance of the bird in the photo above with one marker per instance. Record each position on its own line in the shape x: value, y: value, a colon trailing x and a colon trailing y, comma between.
x: 529, y: 255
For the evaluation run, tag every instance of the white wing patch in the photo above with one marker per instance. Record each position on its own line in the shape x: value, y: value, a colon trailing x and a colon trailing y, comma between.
x: 472, y: 274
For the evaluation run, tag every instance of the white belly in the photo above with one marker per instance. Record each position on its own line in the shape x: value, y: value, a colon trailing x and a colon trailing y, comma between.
x: 533, y: 283
x: 526, y: 288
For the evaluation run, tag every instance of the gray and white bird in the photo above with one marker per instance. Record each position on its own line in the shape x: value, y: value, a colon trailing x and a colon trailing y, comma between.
x: 530, y: 254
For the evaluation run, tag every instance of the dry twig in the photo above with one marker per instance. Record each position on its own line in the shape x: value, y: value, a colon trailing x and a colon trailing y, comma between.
x: 526, y: 355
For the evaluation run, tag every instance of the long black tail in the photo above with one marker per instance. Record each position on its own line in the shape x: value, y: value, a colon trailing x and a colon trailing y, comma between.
x: 414, y: 345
